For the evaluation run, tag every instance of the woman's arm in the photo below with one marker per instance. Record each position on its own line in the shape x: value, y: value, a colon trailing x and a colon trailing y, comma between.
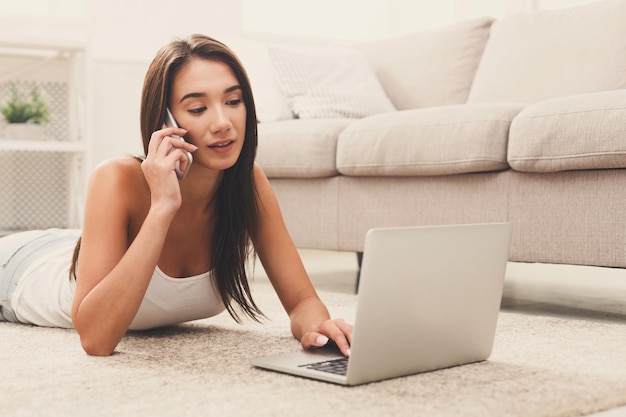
x: 112, y: 277
x: 310, y: 320
x: 113, y: 273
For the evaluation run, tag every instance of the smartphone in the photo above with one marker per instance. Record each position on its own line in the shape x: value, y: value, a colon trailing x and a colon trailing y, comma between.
x: 170, y: 122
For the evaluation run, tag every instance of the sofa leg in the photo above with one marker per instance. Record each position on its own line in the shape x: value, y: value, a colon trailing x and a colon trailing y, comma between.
x: 359, y: 259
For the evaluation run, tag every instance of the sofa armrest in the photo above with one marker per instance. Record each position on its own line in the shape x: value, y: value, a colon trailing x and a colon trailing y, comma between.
x: 578, y: 132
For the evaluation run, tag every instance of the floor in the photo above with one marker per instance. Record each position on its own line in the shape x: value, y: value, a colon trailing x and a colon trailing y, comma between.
x: 338, y: 271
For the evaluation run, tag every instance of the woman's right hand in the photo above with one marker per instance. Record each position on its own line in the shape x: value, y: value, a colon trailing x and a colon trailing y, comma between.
x: 164, y: 151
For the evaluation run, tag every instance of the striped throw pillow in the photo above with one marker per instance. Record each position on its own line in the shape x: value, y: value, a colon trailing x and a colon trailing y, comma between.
x: 328, y: 82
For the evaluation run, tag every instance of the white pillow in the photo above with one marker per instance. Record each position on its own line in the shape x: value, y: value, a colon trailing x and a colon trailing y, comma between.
x: 553, y: 53
x: 270, y: 103
x: 327, y: 82
x: 429, y: 68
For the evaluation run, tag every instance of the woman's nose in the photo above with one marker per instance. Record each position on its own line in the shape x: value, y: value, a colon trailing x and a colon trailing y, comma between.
x: 220, y: 121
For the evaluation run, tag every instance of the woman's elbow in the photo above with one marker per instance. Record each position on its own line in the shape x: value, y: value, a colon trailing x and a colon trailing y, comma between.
x: 94, y: 344
x: 96, y: 349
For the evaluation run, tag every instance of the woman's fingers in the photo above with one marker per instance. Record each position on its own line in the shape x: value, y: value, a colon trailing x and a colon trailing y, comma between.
x: 163, y: 146
x: 336, y: 330
x: 164, y: 140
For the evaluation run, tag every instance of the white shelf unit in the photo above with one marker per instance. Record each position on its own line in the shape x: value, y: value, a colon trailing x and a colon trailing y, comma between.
x: 42, y: 182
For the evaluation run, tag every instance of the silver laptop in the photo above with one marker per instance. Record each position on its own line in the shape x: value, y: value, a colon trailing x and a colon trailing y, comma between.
x: 429, y: 298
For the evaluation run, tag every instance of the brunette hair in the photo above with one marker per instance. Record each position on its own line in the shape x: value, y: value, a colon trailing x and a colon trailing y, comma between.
x: 237, y: 224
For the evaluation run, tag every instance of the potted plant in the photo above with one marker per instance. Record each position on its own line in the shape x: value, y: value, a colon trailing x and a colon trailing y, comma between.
x: 25, y: 114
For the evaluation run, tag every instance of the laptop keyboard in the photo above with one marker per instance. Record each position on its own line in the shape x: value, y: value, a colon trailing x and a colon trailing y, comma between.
x: 335, y: 366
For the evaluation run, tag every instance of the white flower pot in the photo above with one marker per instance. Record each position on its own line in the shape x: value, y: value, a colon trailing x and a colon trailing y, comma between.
x: 24, y: 131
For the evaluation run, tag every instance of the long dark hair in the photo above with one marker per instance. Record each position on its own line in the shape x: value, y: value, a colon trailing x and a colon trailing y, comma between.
x: 237, y: 224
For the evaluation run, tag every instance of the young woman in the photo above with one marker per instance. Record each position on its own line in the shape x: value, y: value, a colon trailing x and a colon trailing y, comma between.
x: 156, y: 250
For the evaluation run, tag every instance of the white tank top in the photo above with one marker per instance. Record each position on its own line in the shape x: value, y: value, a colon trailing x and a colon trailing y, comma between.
x: 44, y: 295
x: 175, y: 300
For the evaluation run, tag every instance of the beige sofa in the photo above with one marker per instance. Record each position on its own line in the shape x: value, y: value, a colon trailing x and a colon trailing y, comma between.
x: 521, y: 119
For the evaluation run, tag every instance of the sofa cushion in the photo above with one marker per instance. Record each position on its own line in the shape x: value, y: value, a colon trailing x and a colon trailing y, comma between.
x: 553, y: 53
x: 436, y: 141
x: 300, y: 148
x: 327, y: 82
x: 431, y: 68
x: 570, y: 133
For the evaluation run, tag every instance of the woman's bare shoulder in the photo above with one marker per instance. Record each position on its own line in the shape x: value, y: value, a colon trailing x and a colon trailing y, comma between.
x: 121, y: 164
x: 123, y: 176
x: 125, y: 169
x: 260, y: 179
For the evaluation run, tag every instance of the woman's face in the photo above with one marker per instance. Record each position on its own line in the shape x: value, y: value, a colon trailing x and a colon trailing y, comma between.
x: 207, y: 101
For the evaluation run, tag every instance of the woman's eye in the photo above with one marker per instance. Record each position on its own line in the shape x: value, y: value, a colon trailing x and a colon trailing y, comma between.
x: 233, y: 102
x: 197, y: 110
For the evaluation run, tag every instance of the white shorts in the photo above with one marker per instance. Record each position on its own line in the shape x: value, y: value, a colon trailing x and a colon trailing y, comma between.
x: 17, y: 251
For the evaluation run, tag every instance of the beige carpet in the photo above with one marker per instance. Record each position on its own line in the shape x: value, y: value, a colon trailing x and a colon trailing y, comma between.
x: 541, y: 366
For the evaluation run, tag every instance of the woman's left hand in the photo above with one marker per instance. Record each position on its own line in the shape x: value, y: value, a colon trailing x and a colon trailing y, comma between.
x: 336, y: 330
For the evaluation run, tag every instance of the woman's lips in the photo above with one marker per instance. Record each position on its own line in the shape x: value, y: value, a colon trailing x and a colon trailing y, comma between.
x: 223, y: 146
